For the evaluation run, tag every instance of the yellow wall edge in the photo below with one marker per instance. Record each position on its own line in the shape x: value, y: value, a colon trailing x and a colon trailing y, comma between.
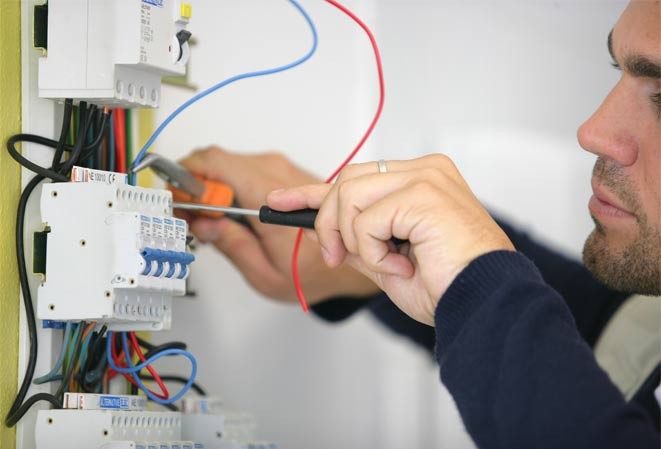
x: 10, y: 189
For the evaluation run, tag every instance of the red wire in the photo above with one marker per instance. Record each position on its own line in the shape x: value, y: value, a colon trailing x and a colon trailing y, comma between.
x: 119, y: 361
x: 377, y: 115
x: 119, y: 118
x: 152, y: 371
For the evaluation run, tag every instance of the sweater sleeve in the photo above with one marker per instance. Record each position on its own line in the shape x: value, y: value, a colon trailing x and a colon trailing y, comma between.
x: 591, y: 303
x: 521, y: 374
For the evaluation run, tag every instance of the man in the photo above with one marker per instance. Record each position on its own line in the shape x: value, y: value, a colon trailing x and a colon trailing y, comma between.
x: 510, y: 322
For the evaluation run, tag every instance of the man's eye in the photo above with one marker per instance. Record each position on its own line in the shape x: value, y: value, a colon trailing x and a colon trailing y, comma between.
x: 656, y: 99
x: 616, y: 66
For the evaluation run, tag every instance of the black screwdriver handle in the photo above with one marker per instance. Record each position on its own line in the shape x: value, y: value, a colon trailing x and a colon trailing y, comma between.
x: 303, y: 218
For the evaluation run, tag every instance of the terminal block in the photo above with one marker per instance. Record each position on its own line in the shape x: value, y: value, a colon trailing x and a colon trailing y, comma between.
x: 110, y: 429
x: 111, y: 253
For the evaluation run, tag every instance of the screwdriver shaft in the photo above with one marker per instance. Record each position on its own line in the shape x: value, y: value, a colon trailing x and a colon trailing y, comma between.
x: 224, y: 210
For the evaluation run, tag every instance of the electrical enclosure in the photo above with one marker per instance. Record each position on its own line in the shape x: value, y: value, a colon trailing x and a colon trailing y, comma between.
x: 112, y: 52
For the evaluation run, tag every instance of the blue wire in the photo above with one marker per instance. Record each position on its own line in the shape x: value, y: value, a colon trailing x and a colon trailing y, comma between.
x: 60, y: 359
x: 134, y: 369
x: 228, y: 81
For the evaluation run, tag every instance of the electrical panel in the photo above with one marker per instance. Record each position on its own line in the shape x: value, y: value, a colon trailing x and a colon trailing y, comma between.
x: 112, y: 52
x: 110, y: 252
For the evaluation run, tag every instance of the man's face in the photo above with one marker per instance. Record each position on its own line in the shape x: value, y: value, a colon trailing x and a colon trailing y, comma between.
x: 624, y: 250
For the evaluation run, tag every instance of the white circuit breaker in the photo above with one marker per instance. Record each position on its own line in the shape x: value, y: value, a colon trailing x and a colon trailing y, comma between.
x: 102, y: 429
x: 110, y: 252
x: 113, y: 52
x: 106, y: 421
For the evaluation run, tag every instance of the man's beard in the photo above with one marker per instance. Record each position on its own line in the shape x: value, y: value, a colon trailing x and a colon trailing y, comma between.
x: 635, y: 268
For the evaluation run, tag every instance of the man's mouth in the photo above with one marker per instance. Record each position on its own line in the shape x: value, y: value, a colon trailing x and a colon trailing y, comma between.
x: 604, y: 204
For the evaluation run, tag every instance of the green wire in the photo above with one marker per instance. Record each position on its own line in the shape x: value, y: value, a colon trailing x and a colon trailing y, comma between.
x: 70, y: 349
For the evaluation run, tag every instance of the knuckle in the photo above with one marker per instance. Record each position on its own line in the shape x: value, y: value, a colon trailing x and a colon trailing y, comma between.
x: 347, y: 173
x: 206, y: 154
x: 275, y: 158
x: 344, y: 190
x: 440, y: 160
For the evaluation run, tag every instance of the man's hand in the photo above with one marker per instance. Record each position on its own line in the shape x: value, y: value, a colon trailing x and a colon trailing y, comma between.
x: 425, y: 201
x: 263, y: 254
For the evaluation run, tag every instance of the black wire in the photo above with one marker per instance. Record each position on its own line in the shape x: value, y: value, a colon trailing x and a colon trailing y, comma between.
x: 12, y: 416
x: 66, y: 122
x: 94, y: 346
x: 85, y: 122
x: 174, y: 378
x: 20, y: 406
x: 23, y: 409
x: 171, y: 407
x: 61, y: 175
x: 155, y: 349
x: 95, y: 376
x: 160, y: 348
x: 18, y: 157
x: 145, y: 344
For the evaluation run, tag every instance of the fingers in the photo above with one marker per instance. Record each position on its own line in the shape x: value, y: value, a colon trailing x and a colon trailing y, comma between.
x: 356, y: 194
x: 377, y: 224
x: 243, y: 249
x: 308, y: 196
x: 210, y: 163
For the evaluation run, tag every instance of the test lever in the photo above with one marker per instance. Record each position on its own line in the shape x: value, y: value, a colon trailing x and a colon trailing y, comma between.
x: 303, y: 218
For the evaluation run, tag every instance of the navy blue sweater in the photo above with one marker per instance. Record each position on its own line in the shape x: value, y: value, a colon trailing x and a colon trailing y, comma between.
x: 513, y: 339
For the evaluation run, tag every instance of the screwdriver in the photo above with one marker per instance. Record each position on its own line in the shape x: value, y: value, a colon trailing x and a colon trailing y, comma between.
x: 303, y: 218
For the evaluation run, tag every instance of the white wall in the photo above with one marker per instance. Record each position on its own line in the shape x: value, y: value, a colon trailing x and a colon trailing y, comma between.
x: 501, y: 86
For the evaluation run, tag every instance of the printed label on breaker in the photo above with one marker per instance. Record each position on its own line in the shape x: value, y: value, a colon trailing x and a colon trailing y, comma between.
x: 114, y: 402
x: 81, y: 174
x: 157, y: 227
x: 90, y: 401
x: 168, y: 224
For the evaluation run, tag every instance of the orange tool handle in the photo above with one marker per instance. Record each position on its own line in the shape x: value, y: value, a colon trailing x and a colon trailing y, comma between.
x: 215, y: 194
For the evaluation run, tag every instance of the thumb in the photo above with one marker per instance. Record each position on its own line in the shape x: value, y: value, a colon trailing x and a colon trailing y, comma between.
x: 242, y: 247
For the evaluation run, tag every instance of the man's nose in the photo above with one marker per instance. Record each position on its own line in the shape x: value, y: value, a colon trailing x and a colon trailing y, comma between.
x: 610, y: 132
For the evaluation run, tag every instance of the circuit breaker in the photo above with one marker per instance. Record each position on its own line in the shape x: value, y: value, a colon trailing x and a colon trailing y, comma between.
x: 109, y: 252
x: 112, y: 52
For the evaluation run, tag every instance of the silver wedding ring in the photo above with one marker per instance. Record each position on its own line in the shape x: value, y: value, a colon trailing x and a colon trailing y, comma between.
x: 382, y: 166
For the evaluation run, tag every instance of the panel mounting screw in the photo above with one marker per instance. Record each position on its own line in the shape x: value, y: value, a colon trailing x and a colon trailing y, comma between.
x: 51, y: 307
x: 54, y: 193
x: 83, y: 242
x: 107, y: 294
x: 110, y: 204
x: 105, y: 433
x: 132, y: 281
x: 50, y: 420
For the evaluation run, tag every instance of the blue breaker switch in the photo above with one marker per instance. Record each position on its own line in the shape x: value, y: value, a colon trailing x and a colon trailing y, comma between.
x: 173, y: 258
x: 187, y: 259
x: 161, y: 257
x: 148, y: 255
